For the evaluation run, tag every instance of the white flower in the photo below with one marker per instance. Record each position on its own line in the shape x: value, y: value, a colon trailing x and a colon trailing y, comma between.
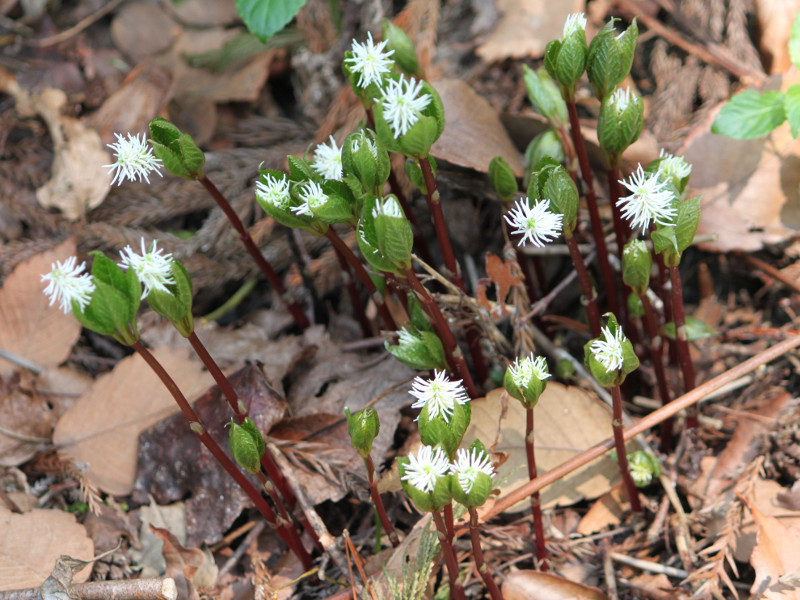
x: 608, y: 351
x: 527, y: 369
x: 425, y: 468
x: 328, y: 161
x: 355, y: 145
x: 402, y: 104
x: 370, y: 61
x: 153, y: 269
x: 390, y: 207
x: 274, y: 191
x: 620, y: 99
x: 135, y: 160
x: 438, y: 394
x: 468, y: 465
x: 536, y: 223
x: 68, y: 282
x: 573, y: 23
x: 650, y: 200
x: 673, y: 166
x: 405, y: 337
x: 312, y: 197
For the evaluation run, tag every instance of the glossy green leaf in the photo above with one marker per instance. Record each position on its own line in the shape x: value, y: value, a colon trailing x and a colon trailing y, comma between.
x: 264, y: 18
x: 750, y: 114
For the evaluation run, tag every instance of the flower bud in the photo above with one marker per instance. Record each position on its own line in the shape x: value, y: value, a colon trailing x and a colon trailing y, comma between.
x: 620, y: 124
x: 674, y: 169
x: 673, y: 240
x: 635, y: 305
x: 610, y: 57
x: 471, y: 476
x: 176, y: 150
x: 643, y: 467
x: 610, y: 357
x: 425, y: 478
x: 247, y: 445
x: 418, y: 349
x: 502, y: 178
x: 363, y: 427
x: 444, y: 432
x: 526, y: 379
x: 273, y: 193
x: 175, y: 305
x: 545, y: 145
x: 367, y: 238
x: 545, y: 96
x: 405, y: 52
x: 565, y: 59
x: 365, y: 158
x: 553, y: 182
x: 637, y: 264
x: 393, y: 232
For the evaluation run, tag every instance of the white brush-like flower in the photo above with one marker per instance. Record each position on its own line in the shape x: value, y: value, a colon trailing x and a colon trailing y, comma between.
x: 153, y: 268
x: 608, y: 351
x: 390, y: 207
x: 673, y: 166
x: 536, y: 223
x: 402, y: 103
x: 439, y: 394
x: 355, y: 145
x: 620, y: 99
x: 67, y: 282
x: 524, y: 370
x: 135, y: 160
x: 328, y: 161
x: 425, y: 468
x: 312, y: 196
x: 468, y: 465
x: 650, y: 200
x: 574, y: 22
x: 274, y: 191
x: 370, y: 60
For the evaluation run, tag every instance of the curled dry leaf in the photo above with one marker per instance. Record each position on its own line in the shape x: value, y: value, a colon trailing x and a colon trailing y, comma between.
x: 30, y: 544
x: 534, y: 585
x: 774, y: 558
x: 29, y: 326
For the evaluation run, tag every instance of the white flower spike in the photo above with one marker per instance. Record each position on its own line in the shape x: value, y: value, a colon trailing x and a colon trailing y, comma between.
x: 135, y: 160
x: 274, y: 191
x: 153, y: 268
x: 68, y: 282
x: 439, y: 394
x: 312, y: 197
x: 425, y: 468
x: 524, y: 370
x: 390, y: 207
x: 328, y: 161
x: 370, y: 61
x: 650, y: 200
x: 468, y: 465
x: 402, y: 104
x: 608, y: 351
x: 536, y: 224
x: 573, y: 23
x: 673, y: 166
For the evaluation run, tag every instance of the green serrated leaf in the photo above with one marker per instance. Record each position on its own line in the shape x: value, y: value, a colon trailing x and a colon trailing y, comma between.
x: 264, y: 18
x: 686, y: 223
x: 171, y: 160
x: 792, y: 106
x: 193, y: 157
x: 750, y: 114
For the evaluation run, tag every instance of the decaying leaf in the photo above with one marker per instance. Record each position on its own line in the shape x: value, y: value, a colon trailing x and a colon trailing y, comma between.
x: 501, y: 275
x: 535, y: 585
x: 26, y: 422
x: 191, y: 568
x: 774, y: 557
x: 30, y: 327
x: 775, y: 18
x: 30, y: 544
x: 102, y: 429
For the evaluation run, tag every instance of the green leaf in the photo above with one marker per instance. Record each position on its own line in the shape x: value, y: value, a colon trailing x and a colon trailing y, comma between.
x: 264, y: 18
x: 750, y: 114
x: 686, y: 222
x: 792, y: 105
x: 193, y: 157
x: 794, y: 42
x: 695, y: 329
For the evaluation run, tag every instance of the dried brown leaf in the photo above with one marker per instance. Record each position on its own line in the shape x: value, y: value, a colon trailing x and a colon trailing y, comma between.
x: 534, y: 585
x: 774, y: 556
x: 775, y: 18
x: 23, y: 419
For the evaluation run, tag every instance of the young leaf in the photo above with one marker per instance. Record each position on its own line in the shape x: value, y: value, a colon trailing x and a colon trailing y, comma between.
x: 750, y: 115
x: 794, y: 42
x: 264, y: 18
x: 792, y: 102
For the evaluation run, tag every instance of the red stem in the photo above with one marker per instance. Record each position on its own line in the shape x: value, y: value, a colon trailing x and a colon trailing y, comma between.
x: 536, y: 503
x: 287, y: 534
x: 477, y: 553
x: 657, y: 359
x: 622, y: 456
x: 376, y: 498
x: 266, y: 268
x: 586, y: 284
x: 684, y: 357
x: 594, y: 212
x: 456, y: 589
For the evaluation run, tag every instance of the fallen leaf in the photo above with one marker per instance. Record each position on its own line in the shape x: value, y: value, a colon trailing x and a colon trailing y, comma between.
x: 30, y: 327
x: 606, y: 511
x: 30, y: 544
x: 567, y: 420
x: 204, y: 13
x: 474, y: 134
x: 23, y: 419
x: 102, y: 429
x: 141, y: 29
x: 525, y: 28
x: 535, y: 585
x: 146, y: 555
x: 188, y: 566
x: 775, y: 18
x: 501, y: 275
x: 774, y: 556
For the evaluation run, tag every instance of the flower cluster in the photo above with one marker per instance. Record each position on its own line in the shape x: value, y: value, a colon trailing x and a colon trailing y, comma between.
x: 651, y: 199
x: 135, y: 160
x: 439, y: 395
x: 536, y: 224
x: 67, y: 283
x: 424, y: 469
x: 153, y: 268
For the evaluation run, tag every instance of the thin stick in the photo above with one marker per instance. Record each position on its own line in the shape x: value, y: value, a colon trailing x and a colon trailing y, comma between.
x: 287, y: 534
x: 376, y: 499
x: 651, y: 420
x: 592, y: 311
x: 536, y: 501
x: 266, y: 268
x: 656, y: 357
x: 477, y: 554
x: 622, y: 453
x: 594, y: 212
x: 684, y: 357
x: 127, y: 589
x: 456, y: 589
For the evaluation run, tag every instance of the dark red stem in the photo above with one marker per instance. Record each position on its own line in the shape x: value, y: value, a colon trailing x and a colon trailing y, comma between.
x: 622, y: 456
x: 684, y: 357
x: 536, y: 502
x: 586, y: 285
x: 376, y: 499
x: 656, y: 357
x: 287, y: 534
x: 594, y: 212
x: 266, y: 268
x: 456, y: 589
x: 477, y: 554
